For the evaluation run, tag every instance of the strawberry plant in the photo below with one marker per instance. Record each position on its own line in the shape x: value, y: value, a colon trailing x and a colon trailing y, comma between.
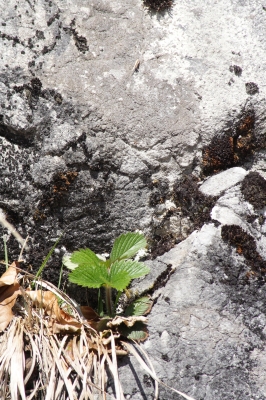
x: 114, y: 273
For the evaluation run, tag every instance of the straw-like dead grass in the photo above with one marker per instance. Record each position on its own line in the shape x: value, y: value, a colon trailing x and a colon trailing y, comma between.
x: 47, y: 353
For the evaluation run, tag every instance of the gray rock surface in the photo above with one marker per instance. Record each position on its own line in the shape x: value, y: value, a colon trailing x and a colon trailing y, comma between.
x: 92, y: 148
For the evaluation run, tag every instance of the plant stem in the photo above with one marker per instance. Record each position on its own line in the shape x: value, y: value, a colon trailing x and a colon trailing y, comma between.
x: 108, y: 296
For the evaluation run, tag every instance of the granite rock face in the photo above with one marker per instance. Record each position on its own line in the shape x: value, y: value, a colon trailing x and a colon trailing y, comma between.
x: 114, y: 118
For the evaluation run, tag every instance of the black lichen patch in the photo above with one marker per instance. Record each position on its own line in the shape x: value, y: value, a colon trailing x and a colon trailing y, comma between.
x: 11, y: 38
x: 80, y: 42
x: 191, y: 201
x: 36, y: 87
x: 53, y: 18
x: 147, y: 381
x: 245, y: 245
x: 252, y: 88
x: 51, y: 93
x: 158, y: 5
x: 236, y: 69
x: 162, y: 279
x: 231, y: 148
x: 160, y: 192
x: 40, y: 35
x: 48, y: 49
x: 32, y: 91
x: 254, y: 190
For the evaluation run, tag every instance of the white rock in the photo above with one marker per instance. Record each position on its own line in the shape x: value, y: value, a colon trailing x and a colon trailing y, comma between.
x: 226, y: 216
x: 217, y: 184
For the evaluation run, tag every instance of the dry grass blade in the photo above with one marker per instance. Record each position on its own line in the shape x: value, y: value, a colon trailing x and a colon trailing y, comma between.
x: 17, y: 364
x: 12, y: 362
x: 12, y: 230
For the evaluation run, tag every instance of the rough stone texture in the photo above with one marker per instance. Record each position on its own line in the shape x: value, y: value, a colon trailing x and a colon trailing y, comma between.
x: 92, y: 146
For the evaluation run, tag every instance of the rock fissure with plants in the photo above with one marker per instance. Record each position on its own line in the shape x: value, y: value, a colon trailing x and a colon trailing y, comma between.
x: 51, y: 348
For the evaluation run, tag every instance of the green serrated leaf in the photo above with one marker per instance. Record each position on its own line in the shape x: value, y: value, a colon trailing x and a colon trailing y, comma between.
x: 118, y: 279
x: 137, y: 332
x: 122, y: 272
x: 139, y: 307
x: 134, y: 269
x: 90, y: 276
x: 86, y: 257
x: 127, y: 245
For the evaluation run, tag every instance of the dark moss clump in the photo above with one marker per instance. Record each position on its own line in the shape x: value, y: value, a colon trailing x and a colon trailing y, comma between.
x: 244, y: 141
x: 161, y: 244
x: 160, y: 192
x: 254, y: 190
x: 232, y: 148
x: 158, y: 5
x: 218, y: 155
x: 191, y: 201
x: 245, y: 245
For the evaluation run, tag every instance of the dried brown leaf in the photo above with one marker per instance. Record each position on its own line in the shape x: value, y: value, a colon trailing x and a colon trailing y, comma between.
x: 60, y: 321
x: 9, y: 290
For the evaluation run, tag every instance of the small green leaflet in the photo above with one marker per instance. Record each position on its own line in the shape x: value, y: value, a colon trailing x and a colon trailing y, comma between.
x: 127, y: 245
x: 134, y: 269
x: 139, y: 307
x: 85, y: 257
x: 93, y: 276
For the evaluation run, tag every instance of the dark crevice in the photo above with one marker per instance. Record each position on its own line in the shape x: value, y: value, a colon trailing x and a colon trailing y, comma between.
x: 21, y: 138
x: 160, y: 281
x: 246, y: 246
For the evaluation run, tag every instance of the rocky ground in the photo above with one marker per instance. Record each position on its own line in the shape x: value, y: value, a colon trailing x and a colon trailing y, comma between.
x: 115, y: 118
